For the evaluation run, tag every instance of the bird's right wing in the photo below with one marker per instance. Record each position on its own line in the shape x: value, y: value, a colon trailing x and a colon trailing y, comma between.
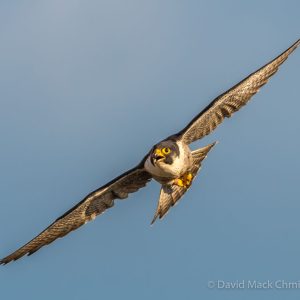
x: 232, y: 100
x: 91, y: 206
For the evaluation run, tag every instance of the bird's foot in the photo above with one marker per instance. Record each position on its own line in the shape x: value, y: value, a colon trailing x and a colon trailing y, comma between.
x: 184, y: 181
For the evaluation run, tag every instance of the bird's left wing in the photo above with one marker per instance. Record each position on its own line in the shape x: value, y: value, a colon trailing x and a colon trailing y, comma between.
x: 91, y: 206
x: 232, y: 100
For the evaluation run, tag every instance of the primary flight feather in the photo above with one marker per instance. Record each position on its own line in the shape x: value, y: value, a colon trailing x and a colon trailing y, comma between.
x: 170, y: 162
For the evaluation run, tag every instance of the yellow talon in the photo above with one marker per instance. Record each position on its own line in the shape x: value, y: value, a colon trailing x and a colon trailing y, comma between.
x: 180, y: 182
x: 189, y: 176
x: 185, y: 181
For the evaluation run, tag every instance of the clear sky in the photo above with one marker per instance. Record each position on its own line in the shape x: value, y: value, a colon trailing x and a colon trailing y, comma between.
x: 87, y: 87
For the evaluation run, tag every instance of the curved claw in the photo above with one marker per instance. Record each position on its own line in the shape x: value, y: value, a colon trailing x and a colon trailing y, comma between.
x: 184, y: 181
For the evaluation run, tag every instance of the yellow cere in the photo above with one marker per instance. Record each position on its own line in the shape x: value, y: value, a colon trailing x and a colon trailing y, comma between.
x: 158, y: 152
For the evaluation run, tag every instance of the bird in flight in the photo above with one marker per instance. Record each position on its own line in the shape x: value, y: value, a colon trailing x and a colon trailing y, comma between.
x: 170, y: 162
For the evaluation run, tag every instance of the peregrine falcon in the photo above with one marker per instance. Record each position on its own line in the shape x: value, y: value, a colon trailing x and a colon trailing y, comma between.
x: 170, y: 162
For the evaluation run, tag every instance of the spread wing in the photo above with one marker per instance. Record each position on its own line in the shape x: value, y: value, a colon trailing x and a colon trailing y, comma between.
x: 170, y: 194
x: 232, y: 100
x: 86, y: 210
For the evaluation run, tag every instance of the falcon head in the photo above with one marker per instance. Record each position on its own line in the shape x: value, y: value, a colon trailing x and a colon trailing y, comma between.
x: 164, y: 152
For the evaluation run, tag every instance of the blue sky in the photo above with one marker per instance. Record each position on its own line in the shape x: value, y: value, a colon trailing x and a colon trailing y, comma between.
x: 87, y: 87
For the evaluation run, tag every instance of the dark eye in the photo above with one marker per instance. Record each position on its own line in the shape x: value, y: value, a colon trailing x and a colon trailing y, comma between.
x: 166, y: 150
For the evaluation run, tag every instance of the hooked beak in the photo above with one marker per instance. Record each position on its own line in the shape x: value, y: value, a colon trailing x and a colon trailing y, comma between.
x: 157, y: 155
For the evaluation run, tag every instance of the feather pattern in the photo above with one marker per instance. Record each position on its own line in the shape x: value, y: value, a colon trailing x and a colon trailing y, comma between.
x: 86, y: 210
x: 232, y: 100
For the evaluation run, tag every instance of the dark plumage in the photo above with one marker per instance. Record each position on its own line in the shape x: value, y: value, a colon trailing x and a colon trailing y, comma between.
x: 168, y: 144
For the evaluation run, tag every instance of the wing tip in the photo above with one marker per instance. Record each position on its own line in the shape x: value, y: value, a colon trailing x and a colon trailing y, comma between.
x: 6, y: 261
x: 297, y: 43
x: 293, y: 47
